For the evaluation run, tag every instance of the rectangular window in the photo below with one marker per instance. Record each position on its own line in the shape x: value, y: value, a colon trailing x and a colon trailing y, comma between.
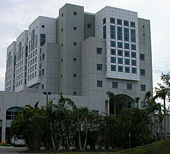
x: 104, y: 32
x: 95, y: 111
x: 120, y: 53
x: 113, y: 51
x: 133, y: 35
x: 133, y: 62
x: 112, y: 20
x: 43, y: 56
x: 112, y: 43
x: 127, y: 54
x: 99, y: 51
x: 126, y: 34
x: 42, y: 71
x: 126, y: 23
x: 113, y: 67
x: 127, y: 69
x: 133, y: 54
x: 132, y: 24
x: 127, y: 62
x: 143, y: 87
x: 42, y: 39
x: 142, y: 72
x: 120, y: 60
x: 74, y: 93
x: 134, y: 70
x: 126, y: 45
x: 133, y: 47
x: 104, y: 20
x: 119, y: 44
x: 142, y: 57
x: 113, y: 59
x: 99, y: 83
x: 129, y: 86
x: 119, y: 21
x: 112, y: 32
x: 99, y: 67
x: 115, y: 85
x: 120, y: 68
x: 119, y: 33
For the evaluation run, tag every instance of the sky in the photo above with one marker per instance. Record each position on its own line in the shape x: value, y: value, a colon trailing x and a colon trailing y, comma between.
x: 17, y: 15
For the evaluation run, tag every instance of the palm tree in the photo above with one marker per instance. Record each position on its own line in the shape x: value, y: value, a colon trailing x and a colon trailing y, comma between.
x: 112, y: 101
x: 137, y: 101
x: 30, y: 123
x: 162, y: 93
x: 147, y: 96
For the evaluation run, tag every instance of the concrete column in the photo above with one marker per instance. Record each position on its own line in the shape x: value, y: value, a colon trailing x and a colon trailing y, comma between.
x: 3, y: 114
x: 3, y: 128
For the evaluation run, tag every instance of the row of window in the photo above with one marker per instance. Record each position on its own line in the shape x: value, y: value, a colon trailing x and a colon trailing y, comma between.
x: 32, y: 75
x: 120, y: 61
x: 31, y: 55
x: 32, y: 61
x: 18, y: 64
x: 32, y: 68
x: 120, y: 52
x: 123, y: 69
x: 18, y: 77
x: 8, y: 83
x: 120, y: 45
x: 18, y: 83
x: 74, y: 13
x: 120, y: 33
x: 9, y: 77
x: 120, y: 22
x: 74, y: 43
x: 115, y: 85
x: 20, y: 69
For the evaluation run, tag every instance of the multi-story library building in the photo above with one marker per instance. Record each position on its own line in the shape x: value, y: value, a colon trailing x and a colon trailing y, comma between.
x: 81, y: 55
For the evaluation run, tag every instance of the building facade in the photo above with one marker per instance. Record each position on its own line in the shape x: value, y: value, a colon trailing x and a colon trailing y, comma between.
x: 10, y: 67
x: 21, y: 61
x: 83, y: 56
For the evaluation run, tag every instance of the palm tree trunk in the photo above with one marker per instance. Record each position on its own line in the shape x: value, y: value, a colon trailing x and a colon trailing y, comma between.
x: 164, y: 120
x: 53, y: 142
x: 79, y: 134
x: 85, y: 142
x: 115, y: 109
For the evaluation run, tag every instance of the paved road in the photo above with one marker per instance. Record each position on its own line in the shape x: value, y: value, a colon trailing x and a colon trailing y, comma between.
x: 20, y: 150
x: 13, y: 150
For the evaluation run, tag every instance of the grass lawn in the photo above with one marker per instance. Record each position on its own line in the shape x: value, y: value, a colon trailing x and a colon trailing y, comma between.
x: 77, y: 153
x: 161, y: 147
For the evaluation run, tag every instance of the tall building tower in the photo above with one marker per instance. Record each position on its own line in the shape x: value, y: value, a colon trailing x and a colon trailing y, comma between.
x: 21, y: 61
x: 85, y: 54
x: 41, y: 32
x: 118, y: 58
x: 70, y: 36
x: 10, y: 68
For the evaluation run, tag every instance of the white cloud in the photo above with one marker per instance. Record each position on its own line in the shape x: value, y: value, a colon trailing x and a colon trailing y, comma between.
x: 16, y: 15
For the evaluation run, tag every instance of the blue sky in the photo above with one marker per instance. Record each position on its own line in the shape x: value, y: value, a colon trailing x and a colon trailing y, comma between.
x: 17, y: 15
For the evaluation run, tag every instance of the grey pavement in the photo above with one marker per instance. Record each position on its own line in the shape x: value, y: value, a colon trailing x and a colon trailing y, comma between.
x: 13, y: 150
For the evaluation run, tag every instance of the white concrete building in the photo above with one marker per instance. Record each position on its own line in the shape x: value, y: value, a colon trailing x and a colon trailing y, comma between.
x: 81, y: 55
x: 10, y: 67
x: 41, y: 31
x: 21, y: 61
